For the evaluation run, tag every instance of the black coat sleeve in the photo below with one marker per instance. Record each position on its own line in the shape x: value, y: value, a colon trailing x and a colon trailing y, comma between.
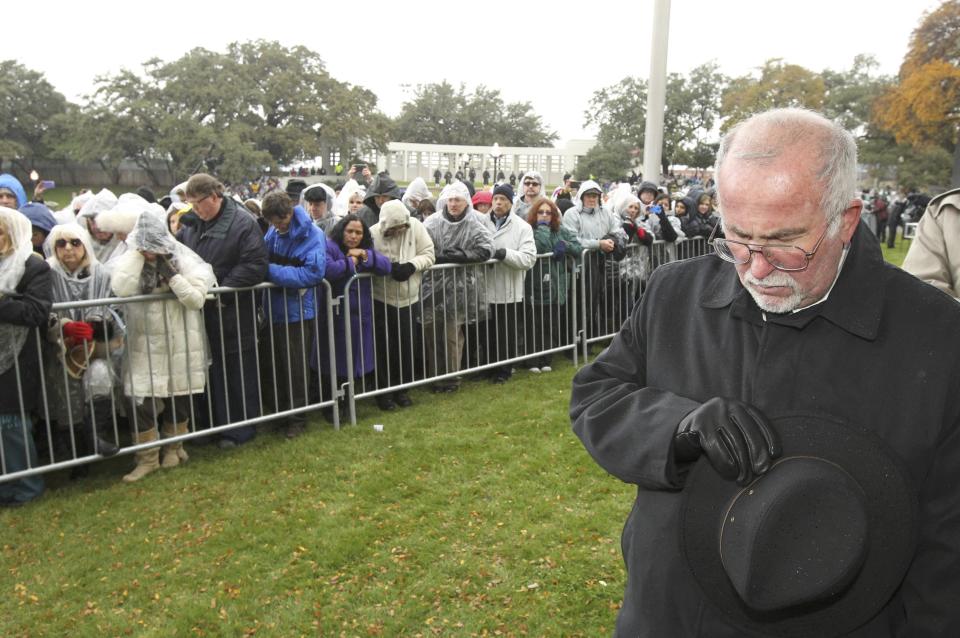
x: 254, y: 262
x: 30, y: 306
x: 667, y: 231
x: 626, y: 426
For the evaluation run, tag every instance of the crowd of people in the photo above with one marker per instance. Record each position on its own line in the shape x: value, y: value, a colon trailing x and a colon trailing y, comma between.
x: 468, y: 279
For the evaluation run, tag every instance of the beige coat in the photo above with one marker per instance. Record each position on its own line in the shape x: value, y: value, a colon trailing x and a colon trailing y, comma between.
x: 412, y: 245
x: 934, y: 254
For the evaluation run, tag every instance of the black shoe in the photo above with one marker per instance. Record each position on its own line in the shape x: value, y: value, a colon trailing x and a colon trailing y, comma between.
x: 402, y: 399
x: 105, y: 448
x: 444, y: 388
x: 499, y: 379
x: 385, y: 402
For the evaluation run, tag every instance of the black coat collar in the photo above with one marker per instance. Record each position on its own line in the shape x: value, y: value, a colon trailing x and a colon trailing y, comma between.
x: 855, y: 304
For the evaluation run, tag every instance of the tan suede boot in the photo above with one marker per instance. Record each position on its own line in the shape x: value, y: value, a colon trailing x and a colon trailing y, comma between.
x: 174, y: 454
x: 147, y: 460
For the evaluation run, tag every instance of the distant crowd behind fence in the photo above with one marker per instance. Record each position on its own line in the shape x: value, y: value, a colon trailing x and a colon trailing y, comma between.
x: 394, y: 348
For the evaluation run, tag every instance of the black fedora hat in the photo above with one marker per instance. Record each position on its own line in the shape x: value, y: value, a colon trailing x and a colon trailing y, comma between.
x: 814, y: 547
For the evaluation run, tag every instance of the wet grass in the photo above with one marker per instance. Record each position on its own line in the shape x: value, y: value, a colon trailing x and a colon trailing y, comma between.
x: 476, y: 513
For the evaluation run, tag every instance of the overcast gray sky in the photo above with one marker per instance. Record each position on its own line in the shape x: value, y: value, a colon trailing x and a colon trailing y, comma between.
x: 552, y: 54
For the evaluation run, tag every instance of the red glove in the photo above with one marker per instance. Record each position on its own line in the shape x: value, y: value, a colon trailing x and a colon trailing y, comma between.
x: 78, y: 331
x: 644, y: 237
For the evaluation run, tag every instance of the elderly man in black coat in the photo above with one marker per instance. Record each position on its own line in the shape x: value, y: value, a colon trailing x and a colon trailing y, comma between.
x: 797, y: 312
x: 227, y: 237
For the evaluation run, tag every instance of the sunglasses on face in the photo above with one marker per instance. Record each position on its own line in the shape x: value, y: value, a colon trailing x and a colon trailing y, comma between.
x: 62, y: 243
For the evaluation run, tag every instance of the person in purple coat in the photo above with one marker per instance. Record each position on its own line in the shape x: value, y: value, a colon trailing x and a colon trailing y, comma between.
x: 349, y: 252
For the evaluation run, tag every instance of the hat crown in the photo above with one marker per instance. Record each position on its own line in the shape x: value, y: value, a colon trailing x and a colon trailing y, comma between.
x: 796, y: 536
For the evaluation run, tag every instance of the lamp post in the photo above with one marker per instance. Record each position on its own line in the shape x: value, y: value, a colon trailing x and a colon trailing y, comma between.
x: 496, y: 154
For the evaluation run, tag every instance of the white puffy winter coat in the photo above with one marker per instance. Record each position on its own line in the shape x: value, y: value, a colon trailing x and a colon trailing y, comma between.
x: 167, y: 351
x: 505, y: 283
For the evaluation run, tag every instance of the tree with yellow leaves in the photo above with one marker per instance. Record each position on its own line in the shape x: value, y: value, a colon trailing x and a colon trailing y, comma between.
x: 923, y: 108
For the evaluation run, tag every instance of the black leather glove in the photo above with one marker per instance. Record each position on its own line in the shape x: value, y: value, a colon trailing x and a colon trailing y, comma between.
x: 165, y: 267
x: 453, y: 256
x: 402, y: 271
x: 500, y: 254
x: 736, y: 438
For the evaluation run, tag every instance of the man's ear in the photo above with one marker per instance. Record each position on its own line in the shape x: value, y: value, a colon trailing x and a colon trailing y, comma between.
x: 850, y: 217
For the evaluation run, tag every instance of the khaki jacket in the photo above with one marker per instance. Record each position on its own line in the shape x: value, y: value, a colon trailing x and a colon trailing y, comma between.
x: 934, y: 255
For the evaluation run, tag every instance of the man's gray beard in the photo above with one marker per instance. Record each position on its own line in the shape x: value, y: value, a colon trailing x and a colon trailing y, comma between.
x: 781, y: 305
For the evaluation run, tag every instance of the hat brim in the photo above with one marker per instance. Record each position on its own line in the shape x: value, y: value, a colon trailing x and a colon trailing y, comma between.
x: 892, y: 512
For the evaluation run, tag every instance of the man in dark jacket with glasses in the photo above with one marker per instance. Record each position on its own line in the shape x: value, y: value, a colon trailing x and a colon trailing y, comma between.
x: 799, y: 313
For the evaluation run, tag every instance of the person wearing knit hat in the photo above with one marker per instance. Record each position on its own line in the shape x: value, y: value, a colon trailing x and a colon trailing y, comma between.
x: 531, y: 187
x: 503, y: 189
x: 516, y: 251
x: 482, y: 201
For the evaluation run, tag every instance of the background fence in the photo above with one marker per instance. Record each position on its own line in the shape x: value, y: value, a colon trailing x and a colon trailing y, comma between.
x: 271, y: 354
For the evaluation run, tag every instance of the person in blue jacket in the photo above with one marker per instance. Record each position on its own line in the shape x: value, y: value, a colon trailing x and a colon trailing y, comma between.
x: 297, y: 264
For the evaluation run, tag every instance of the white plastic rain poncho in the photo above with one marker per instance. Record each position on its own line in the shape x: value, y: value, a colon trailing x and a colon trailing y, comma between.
x: 328, y: 221
x: 520, y: 206
x: 167, y: 352
x: 91, y: 280
x: 341, y: 207
x: 417, y: 190
x: 100, y: 203
x: 12, y: 266
x: 456, y: 293
x: 635, y: 266
x: 618, y: 196
x: 595, y: 224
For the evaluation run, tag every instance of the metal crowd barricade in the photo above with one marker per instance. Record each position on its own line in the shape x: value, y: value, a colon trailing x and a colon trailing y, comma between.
x: 461, y: 319
x: 611, y: 288
x: 70, y: 408
x: 466, y: 323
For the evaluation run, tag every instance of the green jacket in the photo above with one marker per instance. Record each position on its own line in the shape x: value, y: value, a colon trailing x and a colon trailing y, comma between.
x: 547, y: 280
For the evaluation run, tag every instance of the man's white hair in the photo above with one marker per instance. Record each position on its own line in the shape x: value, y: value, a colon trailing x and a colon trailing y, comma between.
x: 765, y: 136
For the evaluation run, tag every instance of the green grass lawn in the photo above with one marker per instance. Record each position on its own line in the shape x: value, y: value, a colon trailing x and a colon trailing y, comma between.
x: 477, y: 513
x: 896, y: 254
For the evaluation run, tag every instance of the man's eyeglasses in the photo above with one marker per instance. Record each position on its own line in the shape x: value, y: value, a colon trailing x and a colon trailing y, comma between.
x: 62, y: 243
x: 785, y: 258
x: 544, y: 213
x: 531, y: 183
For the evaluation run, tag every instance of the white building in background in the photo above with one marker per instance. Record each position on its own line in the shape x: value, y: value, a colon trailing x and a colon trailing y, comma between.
x: 406, y: 160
